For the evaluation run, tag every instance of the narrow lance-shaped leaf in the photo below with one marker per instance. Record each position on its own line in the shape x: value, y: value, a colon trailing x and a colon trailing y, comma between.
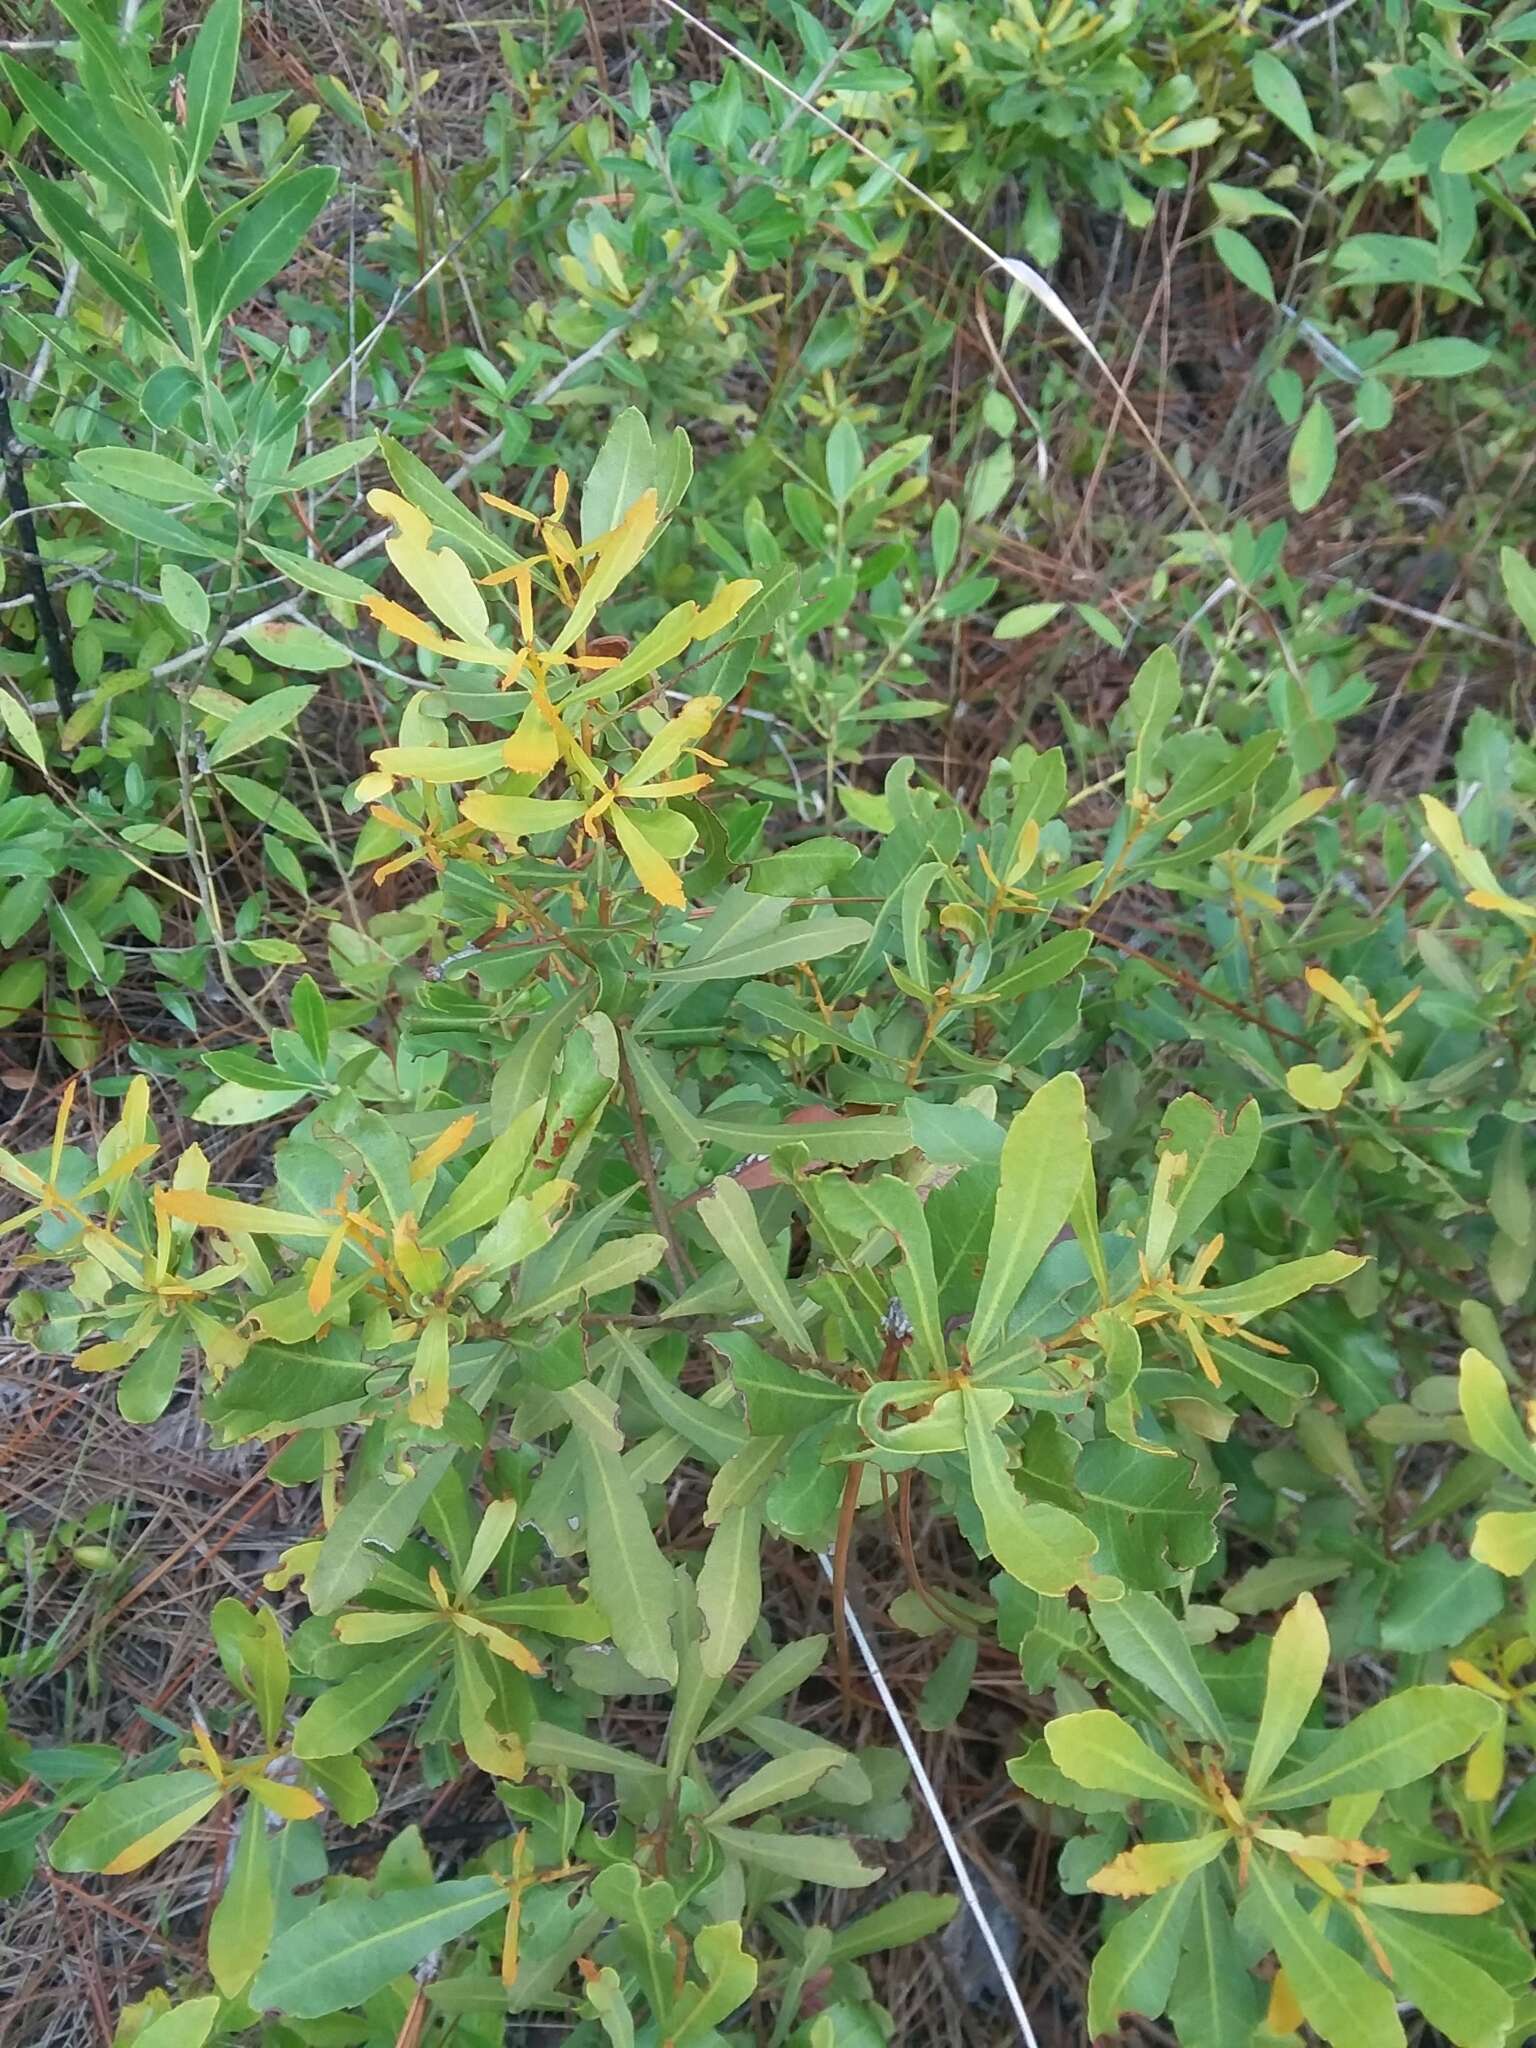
x: 727, y: 1214
x: 1046, y: 1157
x: 1391, y: 1744
x: 731, y: 1587
x: 126, y: 1826
x: 1040, y: 1545
x: 631, y: 1580
x: 1298, y: 1659
x: 1490, y: 1416
x: 1134, y: 1969
x: 1345, y: 2004
x: 1103, y: 1752
x: 1145, y: 1640
x: 339, y: 1954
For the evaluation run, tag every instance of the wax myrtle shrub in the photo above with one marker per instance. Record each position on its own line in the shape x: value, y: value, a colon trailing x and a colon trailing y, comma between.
x: 684, y: 1162
x: 508, y: 1297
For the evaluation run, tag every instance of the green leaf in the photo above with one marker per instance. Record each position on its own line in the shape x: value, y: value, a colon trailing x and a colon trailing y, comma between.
x: 809, y: 1859
x: 187, y: 2026
x: 246, y: 1913
x: 260, y: 721
x: 866, y: 1209
x: 267, y: 237
x: 1457, y: 1998
x: 1244, y: 262
x: 1099, y: 1750
x: 1134, y: 1968
x: 773, y: 1783
x: 148, y: 523
x: 1144, y: 1639
x: 1399, y: 1740
x: 1279, y: 1284
x: 727, y: 1214
x: 631, y: 1580
x: 210, y: 80
x: 21, y: 726
x: 1298, y: 1661
x: 1449, y: 355
x: 1046, y: 1159
x: 793, y: 946
x: 845, y: 459
x: 269, y: 807
x: 1279, y: 92
x: 365, y: 1699
x: 1154, y: 697
x: 1216, y: 1160
x: 1217, y: 1999
x: 1041, y: 1546
x: 912, y: 1917
x: 63, y: 216
x: 339, y: 1954
x: 124, y: 1827
x: 1490, y: 1416
x: 623, y: 470
x: 1519, y: 587
x: 944, y: 538
x: 68, y: 124
x: 1023, y: 620
x: 1438, y: 1600
x: 143, y: 474
x: 731, y: 1587
x: 802, y: 869
x: 374, y: 1522
x: 289, y: 643
x: 1492, y: 135
x: 1345, y: 2005
x: 1314, y: 454
x: 185, y: 599
x: 788, y: 1667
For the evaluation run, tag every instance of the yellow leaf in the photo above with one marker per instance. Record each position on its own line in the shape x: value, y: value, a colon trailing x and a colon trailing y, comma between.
x: 106, y: 1357
x: 1507, y: 1542
x: 288, y: 1802
x: 244, y: 1219
x: 440, y: 764
x: 1332, y: 991
x: 1285, y: 2016
x: 396, y: 619
x: 517, y: 817
x: 501, y: 1642
x: 1460, y: 1899
x: 724, y: 606
x: 322, y: 1279
x: 1153, y: 1866
x: 148, y: 1847
x: 533, y: 748
x: 677, y: 737
x: 616, y: 553
x: 442, y: 1147
x: 1321, y: 1848
x: 1484, y: 1777
x: 655, y: 877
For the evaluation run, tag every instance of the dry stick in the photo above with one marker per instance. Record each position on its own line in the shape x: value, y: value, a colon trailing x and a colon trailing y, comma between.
x: 942, y: 1828
x: 1039, y: 289
x: 61, y: 663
